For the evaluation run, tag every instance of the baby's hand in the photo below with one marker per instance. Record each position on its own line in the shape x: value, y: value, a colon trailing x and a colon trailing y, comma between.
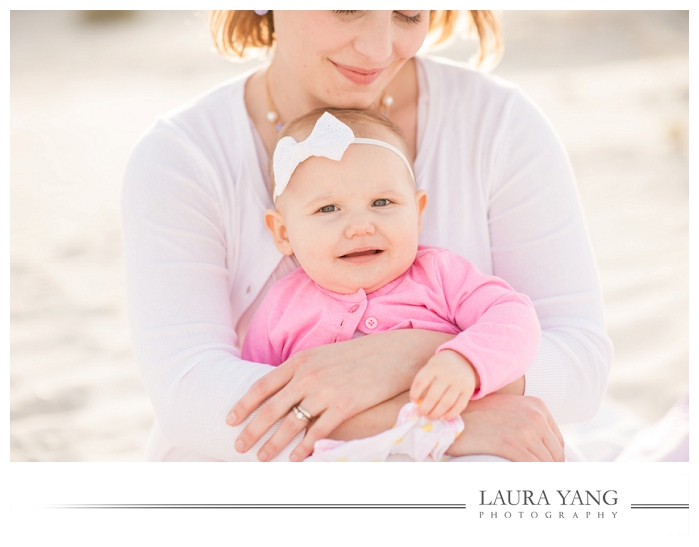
x: 444, y: 386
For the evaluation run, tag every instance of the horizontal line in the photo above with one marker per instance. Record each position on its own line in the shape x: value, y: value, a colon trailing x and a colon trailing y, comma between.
x: 258, y: 506
x: 660, y: 506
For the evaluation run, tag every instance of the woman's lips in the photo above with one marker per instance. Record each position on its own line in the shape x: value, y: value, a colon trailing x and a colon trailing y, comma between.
x: 357, y: 75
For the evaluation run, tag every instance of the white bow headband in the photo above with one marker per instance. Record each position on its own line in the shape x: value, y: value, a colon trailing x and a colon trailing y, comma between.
x: 329, y: 139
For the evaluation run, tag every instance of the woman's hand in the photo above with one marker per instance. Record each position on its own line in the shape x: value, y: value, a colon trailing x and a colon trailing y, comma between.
x: 332, y: 383
x: 510, y: 426
x: 515, y: 427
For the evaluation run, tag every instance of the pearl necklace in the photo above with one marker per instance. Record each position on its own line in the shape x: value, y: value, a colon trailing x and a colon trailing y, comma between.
x: 273, y: 115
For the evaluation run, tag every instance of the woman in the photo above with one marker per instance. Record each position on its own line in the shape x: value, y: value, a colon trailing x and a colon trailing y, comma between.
x: 199, y: 260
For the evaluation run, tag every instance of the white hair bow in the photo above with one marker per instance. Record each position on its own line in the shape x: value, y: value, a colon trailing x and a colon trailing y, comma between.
x: 329, y: 139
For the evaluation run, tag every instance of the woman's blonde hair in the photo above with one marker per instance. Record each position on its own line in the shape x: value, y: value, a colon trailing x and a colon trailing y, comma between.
x: 234, y: 31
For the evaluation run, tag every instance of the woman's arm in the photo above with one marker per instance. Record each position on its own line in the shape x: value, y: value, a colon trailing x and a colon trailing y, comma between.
x: 334, y: 382
x: 540, y: 245
x: 501, y: 424
x: 505, y: 197
x: 182, y: 328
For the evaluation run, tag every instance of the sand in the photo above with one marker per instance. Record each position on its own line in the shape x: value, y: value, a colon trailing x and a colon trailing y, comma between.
x: 614, y: 84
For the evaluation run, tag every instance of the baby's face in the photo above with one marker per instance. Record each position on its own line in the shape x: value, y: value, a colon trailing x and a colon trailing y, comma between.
x: 354, y: 223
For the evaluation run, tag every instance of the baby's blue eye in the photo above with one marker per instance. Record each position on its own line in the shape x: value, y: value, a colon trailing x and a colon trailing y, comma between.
x: 380, y: 203
x: 328, y: 209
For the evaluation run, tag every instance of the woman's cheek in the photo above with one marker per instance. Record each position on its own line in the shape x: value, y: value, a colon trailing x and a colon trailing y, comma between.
x: 409, y: 45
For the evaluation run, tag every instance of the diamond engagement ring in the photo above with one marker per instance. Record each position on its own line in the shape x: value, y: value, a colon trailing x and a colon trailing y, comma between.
x: 301, y: 413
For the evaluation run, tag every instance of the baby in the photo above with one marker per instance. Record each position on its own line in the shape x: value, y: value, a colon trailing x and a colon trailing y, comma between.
x: 348, y: 208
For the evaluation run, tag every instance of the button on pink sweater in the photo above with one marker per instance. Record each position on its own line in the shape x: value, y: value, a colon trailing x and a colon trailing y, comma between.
x: 496, y: 328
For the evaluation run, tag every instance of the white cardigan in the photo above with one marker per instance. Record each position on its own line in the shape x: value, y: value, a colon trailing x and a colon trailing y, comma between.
x: 501, y: 193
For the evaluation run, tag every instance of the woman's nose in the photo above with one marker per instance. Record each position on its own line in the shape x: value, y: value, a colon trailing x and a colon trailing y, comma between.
x: 359, y: 226
x: 375, y: 40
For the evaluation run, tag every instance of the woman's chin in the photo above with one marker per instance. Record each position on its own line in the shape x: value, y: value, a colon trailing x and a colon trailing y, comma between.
x: 358, y: 99
x: 353, y: 102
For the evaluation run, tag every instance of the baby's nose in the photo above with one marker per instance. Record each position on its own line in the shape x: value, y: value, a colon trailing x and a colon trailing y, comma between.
x: 359, y: 226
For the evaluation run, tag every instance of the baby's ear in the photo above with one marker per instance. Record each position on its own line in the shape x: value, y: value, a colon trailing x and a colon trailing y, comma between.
x: 275, y: 224
x: 421, y: 203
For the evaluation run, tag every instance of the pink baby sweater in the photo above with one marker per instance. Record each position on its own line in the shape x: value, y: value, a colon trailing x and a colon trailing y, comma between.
x: 497, y: 329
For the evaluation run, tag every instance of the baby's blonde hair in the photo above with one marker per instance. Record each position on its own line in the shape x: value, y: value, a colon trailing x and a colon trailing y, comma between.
x: 363, y: 123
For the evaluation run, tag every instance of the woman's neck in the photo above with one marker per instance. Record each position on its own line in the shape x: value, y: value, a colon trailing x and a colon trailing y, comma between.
x: 290, y: 100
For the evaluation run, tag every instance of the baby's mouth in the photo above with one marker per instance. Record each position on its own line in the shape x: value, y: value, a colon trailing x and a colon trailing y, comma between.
x: 357, y: 254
